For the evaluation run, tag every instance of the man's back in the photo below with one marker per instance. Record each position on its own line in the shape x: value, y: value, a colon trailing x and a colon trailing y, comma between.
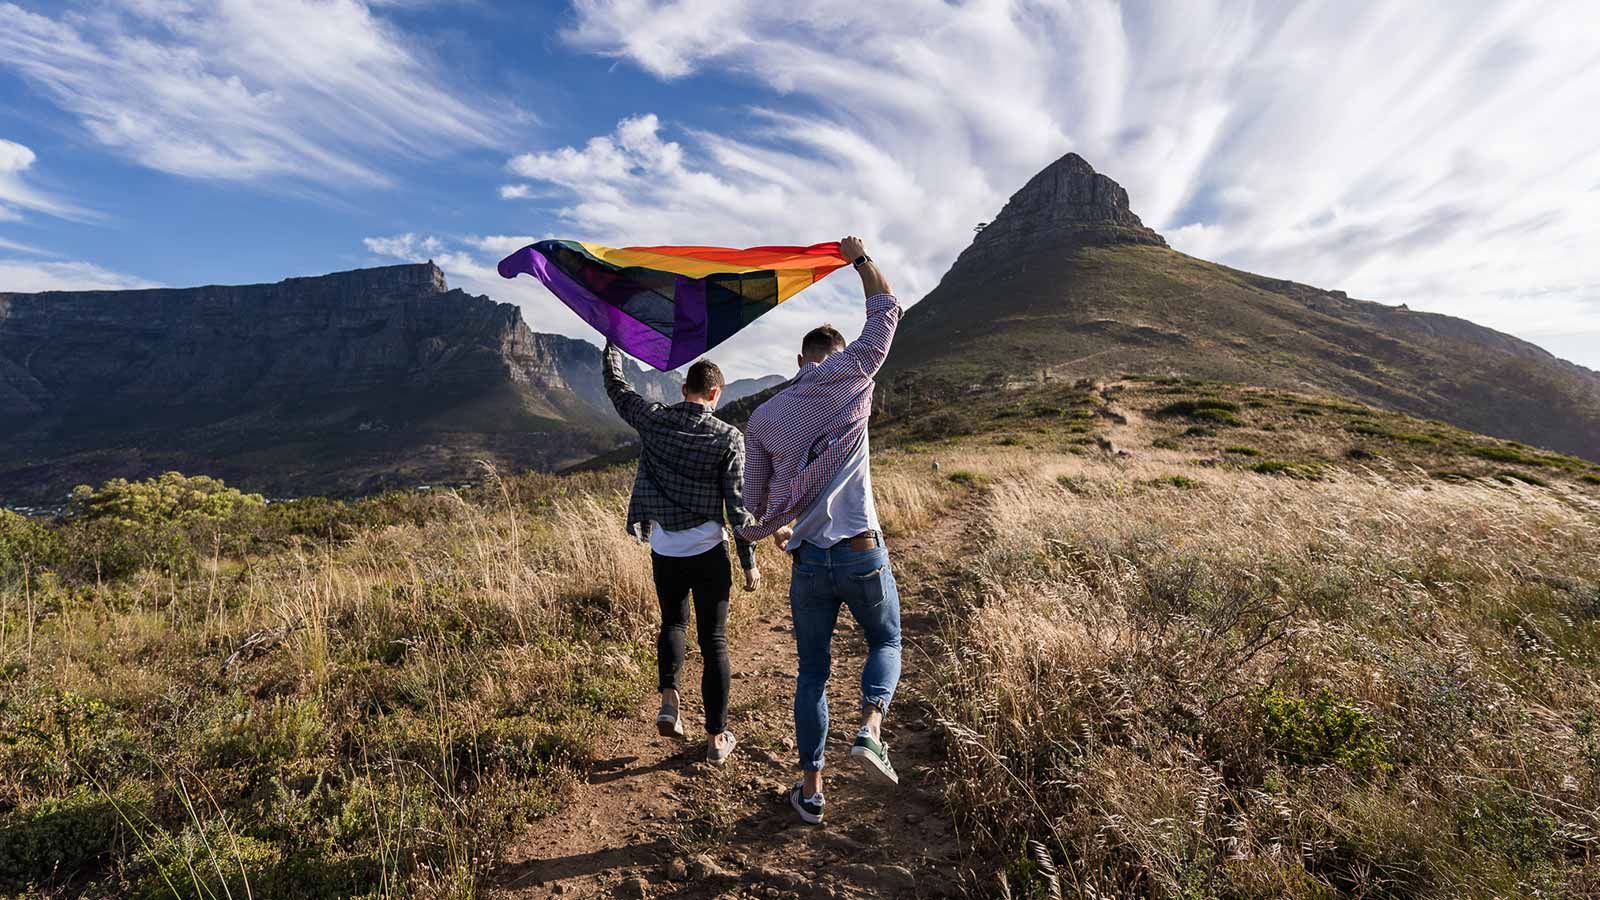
x: 691, y: 464
x: 802, y: 439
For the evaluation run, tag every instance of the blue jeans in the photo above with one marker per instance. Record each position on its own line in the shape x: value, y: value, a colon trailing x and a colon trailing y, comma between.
x: 823, y: 579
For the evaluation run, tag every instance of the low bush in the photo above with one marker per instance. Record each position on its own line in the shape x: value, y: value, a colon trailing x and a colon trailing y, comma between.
x: 1509, y: 454
x: 1309, y: 471
x: 1320, y: 729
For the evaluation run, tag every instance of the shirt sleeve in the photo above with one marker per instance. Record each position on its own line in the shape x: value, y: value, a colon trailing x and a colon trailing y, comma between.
x: 865, y: 355
x: 757, y: 479
x: 733, y: 500
x: 630, y: 406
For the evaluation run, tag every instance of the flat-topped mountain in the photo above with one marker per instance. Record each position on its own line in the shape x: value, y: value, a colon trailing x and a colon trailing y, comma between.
x: 340, y: 383
x: 1066, y: 282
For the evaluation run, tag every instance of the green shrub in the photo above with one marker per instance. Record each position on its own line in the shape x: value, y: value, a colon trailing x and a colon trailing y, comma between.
x: 58, y: 838
x: 1308, y: 471
x: 1242, y: 451
x: 1508, y: 476
x: 1166, y: 443
x: 1507, y: 823
x: 1371, y: 430
x: 172, y: 498
x: 1591, y: 478
x: 964, y: 477
x: 1509, y: 454
x: 26, y: 545
x: 1175, y: 481
x: 1219, y: 412
x: 1191, y: 407
x: 1322, y: 729
x: 945, y: 424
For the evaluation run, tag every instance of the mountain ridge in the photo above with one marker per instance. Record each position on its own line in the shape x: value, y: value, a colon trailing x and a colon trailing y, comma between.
x: 1088, y: 291
x: 342, y: 383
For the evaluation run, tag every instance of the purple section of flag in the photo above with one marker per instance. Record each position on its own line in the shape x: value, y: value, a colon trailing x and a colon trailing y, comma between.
x: 688, y: 320
x: 639, y: 340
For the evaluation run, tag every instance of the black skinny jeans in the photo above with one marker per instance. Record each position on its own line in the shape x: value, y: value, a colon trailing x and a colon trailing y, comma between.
x: 709, y: 578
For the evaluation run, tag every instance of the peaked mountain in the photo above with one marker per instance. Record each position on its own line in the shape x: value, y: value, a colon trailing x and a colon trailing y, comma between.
x: 343, y: 383
x: 1067, y: 282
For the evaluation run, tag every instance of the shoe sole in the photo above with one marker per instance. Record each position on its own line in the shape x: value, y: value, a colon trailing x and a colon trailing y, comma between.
x: 870, y: 764
x: 808, y: 818
x: 672, y: 728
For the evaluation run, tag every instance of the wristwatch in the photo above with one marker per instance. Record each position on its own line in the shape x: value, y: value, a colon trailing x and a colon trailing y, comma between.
x: 863, y: 258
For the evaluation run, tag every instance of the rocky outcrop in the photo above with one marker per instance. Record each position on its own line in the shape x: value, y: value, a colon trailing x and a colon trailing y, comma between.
x: 338, y: 383
x: 1068, y: 202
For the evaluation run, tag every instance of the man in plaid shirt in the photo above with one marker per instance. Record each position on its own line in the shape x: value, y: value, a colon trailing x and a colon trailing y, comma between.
x: 809, y: 483
x: 691, y: 472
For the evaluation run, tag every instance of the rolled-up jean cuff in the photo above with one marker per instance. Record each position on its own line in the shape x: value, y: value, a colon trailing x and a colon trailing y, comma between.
x: 878, y: 703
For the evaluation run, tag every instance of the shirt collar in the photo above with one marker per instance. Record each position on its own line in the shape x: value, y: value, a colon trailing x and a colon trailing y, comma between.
x: 693, y: 407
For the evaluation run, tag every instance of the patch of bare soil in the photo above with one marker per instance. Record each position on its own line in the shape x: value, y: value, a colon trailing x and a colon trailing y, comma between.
x: 654, y: 820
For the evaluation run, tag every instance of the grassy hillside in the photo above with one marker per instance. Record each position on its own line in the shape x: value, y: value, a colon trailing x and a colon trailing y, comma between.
x: 1201, y: 641
x: 1076, y: 311
x: 1256, y: 644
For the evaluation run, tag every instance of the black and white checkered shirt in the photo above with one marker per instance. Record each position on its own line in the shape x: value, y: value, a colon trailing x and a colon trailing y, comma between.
x: 691, y: 463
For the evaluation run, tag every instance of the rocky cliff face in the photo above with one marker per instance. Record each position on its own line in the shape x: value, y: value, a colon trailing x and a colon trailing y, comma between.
x: 1067, y: 282
x: 1067, y: 202
x: 342, y: 382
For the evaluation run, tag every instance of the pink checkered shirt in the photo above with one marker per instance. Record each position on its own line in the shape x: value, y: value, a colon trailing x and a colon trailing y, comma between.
x: 797, y: 442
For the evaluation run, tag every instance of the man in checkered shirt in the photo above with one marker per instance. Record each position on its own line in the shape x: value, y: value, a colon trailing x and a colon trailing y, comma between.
x: 809, y: 483
x: 691, y: 473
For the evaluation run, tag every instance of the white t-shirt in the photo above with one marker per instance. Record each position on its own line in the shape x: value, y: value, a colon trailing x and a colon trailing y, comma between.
x: 688, y: 542
x: 845, y: 508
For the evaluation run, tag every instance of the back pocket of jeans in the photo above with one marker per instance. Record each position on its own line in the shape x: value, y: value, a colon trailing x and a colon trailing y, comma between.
x: 870, y: 584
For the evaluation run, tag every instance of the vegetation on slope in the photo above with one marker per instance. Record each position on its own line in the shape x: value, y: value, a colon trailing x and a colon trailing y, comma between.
x: 208, y: 696
x: 1210, y: 641
x: 1173, y: 672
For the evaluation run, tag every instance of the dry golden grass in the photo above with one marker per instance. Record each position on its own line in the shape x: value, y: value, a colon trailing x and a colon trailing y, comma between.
x: 372, y: 714
x: 1224, y: 684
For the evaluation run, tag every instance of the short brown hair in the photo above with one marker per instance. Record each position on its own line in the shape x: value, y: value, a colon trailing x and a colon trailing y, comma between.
x: 821, y: 341
x: 704, y: 377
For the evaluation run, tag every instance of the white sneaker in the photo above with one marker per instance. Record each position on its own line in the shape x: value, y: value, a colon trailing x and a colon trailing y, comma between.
x: 717, y: 753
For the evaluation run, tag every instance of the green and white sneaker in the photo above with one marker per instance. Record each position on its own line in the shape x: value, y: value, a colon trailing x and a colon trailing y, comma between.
x: 809, y: 808
x: 873, y: 757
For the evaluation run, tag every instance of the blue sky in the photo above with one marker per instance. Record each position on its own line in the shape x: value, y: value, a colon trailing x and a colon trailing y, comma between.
x: 1447, y: 158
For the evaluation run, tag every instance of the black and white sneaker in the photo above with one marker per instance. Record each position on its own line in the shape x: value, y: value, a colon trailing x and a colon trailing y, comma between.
x: 873, y: 757
x: 809, y: 808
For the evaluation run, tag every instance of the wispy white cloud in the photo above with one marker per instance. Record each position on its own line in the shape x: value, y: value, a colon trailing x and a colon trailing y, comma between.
x: 28, y: 276
x: 320, y: 91
x: 1442, y: 156
x: 468, y: 262
x: 16, y: 195
x: 406, y: 246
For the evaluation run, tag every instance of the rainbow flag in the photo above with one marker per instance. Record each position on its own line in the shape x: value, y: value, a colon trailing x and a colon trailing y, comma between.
x: 668, y: 306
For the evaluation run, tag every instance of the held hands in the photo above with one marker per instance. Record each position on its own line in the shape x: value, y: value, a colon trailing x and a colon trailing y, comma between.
x: 781, y: 538
x: 852, y: 249
x: 752, y: 579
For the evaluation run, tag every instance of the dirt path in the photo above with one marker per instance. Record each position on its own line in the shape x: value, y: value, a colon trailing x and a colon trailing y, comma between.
x: 653, y: 820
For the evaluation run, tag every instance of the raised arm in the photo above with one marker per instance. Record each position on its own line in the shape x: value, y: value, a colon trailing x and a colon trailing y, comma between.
x: 867, y: 352
x: 873, y: 281
x: 630, y: 406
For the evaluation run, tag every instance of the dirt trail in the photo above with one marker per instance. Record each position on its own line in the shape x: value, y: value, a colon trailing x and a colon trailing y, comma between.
x: 653, y: 820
